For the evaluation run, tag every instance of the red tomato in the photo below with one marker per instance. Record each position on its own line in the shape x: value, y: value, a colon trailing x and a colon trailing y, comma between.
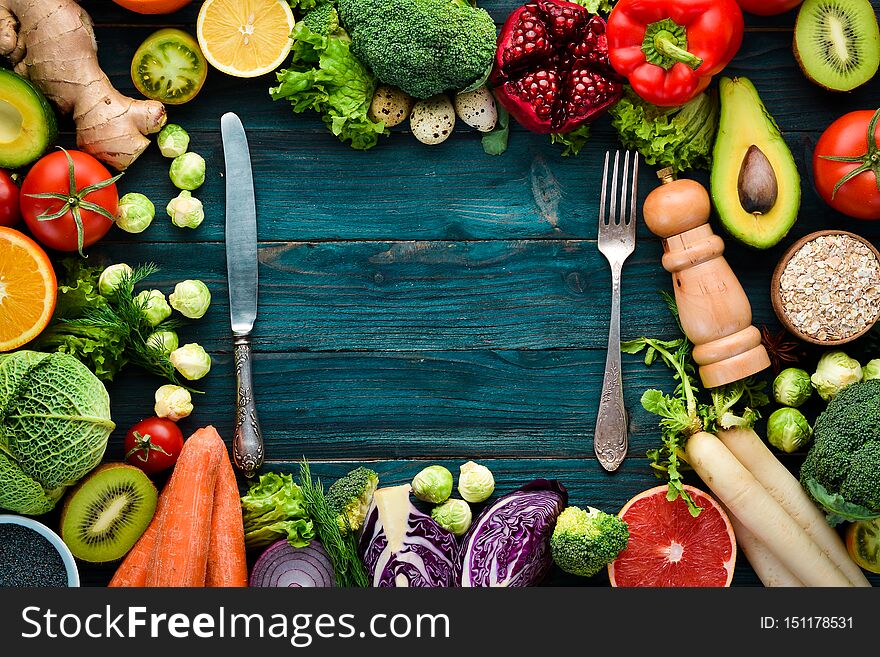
x: 51, y: 175
x: 9, y: 210
x: 848, y: 138
x: 768, y: 7
x: 153, y: 444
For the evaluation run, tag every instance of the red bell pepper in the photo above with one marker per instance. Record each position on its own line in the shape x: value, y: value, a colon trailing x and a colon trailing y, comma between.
x: 670, y: 49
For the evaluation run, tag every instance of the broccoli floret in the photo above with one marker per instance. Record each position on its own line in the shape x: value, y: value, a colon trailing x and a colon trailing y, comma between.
x: 842, y: 469
x: 424, y: 47
x: 323, y: 19
x: 350, y: 497
x: 584, y: 542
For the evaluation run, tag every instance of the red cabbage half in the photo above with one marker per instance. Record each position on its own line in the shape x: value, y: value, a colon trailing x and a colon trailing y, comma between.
x: 509, y: 543
x: 401, y: 546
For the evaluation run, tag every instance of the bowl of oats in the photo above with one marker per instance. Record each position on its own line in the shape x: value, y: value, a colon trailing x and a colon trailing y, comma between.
x: 826, y: 288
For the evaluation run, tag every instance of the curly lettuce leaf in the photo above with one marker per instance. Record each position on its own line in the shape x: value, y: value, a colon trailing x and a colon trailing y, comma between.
x: 100, y: 348
x: 597, y: 6
x: 326, y: 77
x: 274, y: 508
x: 677, y: 137
x: 572, y: 142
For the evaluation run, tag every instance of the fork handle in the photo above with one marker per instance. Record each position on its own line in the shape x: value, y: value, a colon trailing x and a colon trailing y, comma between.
x: 610, y: 439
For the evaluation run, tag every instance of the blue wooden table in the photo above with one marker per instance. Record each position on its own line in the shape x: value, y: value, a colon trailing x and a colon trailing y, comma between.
x: 427, y: 305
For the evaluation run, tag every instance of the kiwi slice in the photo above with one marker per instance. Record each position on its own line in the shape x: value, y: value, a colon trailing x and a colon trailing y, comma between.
x: 837, y: 42
x: 107, y: 512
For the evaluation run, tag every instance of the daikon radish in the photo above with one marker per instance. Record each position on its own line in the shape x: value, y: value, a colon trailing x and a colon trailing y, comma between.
x: 770, y: 570
x: 783, y: 486
x: 758, y: 512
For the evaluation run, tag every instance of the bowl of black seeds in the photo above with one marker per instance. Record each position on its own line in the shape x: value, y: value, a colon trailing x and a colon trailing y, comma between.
x: 33, y: 555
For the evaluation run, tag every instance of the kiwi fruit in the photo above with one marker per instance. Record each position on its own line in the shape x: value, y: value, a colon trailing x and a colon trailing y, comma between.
x: 105, y: 515
x: 837, y: 43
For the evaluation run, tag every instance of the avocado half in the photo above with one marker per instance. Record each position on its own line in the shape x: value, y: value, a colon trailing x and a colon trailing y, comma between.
x: 27, y: 122
x: 756, y: 187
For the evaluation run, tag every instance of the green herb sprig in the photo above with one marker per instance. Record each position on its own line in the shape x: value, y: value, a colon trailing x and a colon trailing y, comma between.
x: 342, y: 549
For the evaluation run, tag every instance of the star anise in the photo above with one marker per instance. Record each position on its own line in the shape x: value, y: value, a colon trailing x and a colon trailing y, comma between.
x: 782, y: 348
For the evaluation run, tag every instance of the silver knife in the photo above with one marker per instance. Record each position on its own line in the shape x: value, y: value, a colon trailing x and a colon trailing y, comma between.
x: 241, y: 268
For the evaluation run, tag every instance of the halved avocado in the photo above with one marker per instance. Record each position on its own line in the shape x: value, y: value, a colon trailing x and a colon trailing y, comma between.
x: 27, y: 122
x: 756, y: 187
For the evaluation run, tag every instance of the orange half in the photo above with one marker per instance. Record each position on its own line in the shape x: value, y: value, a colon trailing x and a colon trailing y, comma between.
x: 245, y: 38
x: 27, y: 289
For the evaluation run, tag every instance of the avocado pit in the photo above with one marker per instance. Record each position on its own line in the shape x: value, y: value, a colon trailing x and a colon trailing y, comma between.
x: 757, y: 185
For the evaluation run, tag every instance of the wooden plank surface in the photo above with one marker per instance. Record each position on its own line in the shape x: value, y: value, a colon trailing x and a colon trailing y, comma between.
x: 422, y: 304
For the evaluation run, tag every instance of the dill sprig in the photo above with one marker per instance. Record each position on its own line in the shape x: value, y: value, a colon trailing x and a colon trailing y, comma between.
x: 341, y: 548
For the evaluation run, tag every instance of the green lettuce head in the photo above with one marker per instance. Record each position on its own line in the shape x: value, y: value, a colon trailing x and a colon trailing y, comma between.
x: 54, y: 425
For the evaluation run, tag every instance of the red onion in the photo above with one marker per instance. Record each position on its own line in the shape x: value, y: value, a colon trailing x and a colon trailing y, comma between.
x: 283, y: 565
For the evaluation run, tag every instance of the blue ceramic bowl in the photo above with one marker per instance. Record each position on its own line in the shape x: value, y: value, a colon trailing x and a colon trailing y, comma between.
x: 54, y: 539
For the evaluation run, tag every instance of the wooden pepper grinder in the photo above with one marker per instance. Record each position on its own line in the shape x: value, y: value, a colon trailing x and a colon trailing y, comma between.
x: 713, y: 307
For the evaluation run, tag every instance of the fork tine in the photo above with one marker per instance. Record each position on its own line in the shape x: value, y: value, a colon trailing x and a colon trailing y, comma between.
x: 635, y: 190
x: 604, y: 187
x: 623, y: 189
x: 613, y: 218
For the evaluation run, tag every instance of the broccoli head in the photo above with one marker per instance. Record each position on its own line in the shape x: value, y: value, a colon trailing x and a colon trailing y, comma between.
x: 584, y: 542
x: 349, y: 498
x: 323, y: 19
x: 424, y: 47
x: 842, y: 469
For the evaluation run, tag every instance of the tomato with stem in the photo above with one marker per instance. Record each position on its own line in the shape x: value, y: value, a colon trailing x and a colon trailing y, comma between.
x: 846, y: 165
x: 10, y: 212
x: 69, y: 200
x: 153, y: 445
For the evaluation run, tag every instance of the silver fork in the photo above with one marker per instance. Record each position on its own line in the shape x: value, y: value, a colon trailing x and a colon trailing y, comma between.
x: 617, y: 240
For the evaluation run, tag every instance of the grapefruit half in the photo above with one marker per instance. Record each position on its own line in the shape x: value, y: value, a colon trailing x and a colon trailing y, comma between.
x: 669, y: 547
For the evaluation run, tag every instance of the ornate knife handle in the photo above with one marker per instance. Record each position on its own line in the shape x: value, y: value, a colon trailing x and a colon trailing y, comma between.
x: 247, y: 440
x: 610, y: 441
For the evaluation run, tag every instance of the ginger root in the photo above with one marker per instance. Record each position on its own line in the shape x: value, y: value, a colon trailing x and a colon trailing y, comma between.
x: 52, y: 43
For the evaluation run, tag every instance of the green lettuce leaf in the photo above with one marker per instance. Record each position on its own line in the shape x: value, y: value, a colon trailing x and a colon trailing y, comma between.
x: 100, y: 348
x: 677, y: 137
x: 326, y: 77
x: 572, y: 141
x: 274, y: 508
x: 597, y: 6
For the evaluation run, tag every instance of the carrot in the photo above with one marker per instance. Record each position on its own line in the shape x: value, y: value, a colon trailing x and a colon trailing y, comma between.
x: 771, y: 571
x: 784, y: 487
x: 132, y: 572
x: 180, y: 555
x: 760, y: 513
x: 227, y: 563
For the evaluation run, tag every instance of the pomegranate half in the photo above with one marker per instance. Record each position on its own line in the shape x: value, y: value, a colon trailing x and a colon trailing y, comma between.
x: 551, y: 68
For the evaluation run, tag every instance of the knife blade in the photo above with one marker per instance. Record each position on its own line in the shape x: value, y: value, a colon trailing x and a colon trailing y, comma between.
x: 241, y: 271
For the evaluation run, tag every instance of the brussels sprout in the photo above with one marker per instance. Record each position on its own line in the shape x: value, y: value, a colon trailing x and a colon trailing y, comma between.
x: 154, y: 306
x: 111, y: 277
x: 871, y: 370
x: 475, y: 482
x: 191, y: 360
x: 173, y: 402
x: 788, y: 429
x: 191, y: 299
x: 792, y: 387
x: 453, y: 515
x: 187, y: 171
x: 135, y: 213
x: 835, y: 372
x: 164, y: 341
x: 433, y: 484
x: 173, y: 140
x: 185, y: 210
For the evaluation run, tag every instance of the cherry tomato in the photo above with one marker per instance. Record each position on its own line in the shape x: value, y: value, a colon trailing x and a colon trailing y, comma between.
x: 768, y: 7
x: 847, y: 138
x: 9, y: 193
x: 153, y: 445
x: 94, y: 200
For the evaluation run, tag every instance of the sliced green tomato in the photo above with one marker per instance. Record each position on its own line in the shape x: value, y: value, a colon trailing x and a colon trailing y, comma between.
x: 863, y: 544
x: 169, y: 67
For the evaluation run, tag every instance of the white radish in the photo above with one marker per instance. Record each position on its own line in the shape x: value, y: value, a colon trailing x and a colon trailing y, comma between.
x: 783, y: 486
x: 770, y: 570
x: 758, y: 512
